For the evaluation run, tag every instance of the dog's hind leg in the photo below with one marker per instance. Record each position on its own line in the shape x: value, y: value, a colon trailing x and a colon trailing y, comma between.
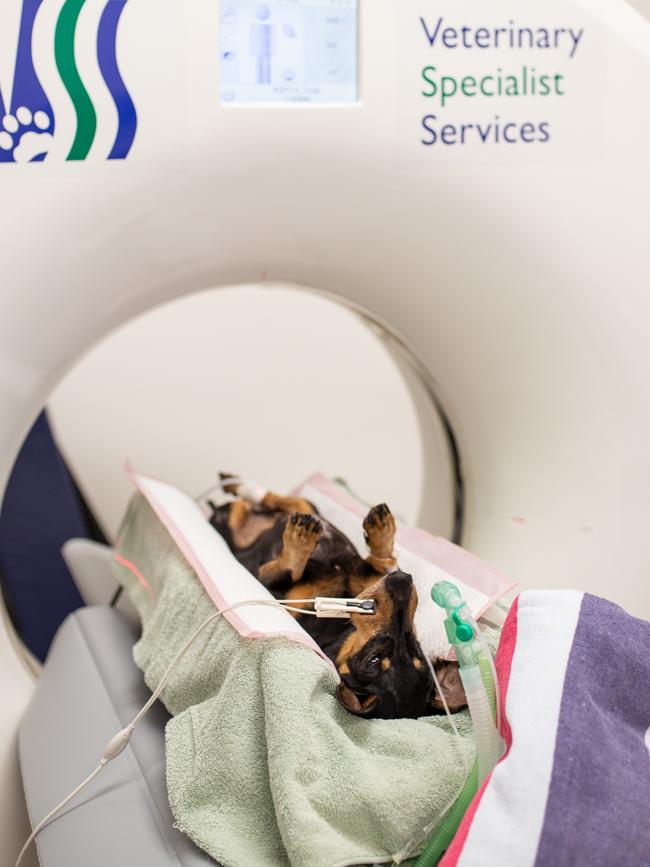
x: 273, y: 502
x: 379, y: 529
x: 299, y: 539
x: 238, y: 516
x: 288, y: 505
x: 239, y: 524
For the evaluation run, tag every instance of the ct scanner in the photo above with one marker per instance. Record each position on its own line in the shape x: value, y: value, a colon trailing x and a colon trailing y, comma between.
x: 515, y: 275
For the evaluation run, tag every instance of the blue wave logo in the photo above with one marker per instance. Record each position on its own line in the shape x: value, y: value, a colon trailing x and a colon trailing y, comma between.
x: 106, y: 54
x: 27, y: 119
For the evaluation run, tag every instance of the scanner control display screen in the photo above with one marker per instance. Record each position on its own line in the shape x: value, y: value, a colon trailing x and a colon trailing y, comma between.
x: 283, y: 51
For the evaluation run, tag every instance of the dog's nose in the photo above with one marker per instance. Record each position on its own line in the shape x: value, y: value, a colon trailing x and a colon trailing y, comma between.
x: 400, y: 586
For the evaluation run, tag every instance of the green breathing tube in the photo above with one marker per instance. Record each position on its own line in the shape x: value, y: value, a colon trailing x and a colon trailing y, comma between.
x: 479, y: 680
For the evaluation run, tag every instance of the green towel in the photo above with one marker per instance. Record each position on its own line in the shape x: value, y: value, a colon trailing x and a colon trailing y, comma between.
x: 264, y: 767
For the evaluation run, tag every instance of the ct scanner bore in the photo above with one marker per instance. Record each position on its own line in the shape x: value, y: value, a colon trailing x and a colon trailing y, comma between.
x: 271, y: 378
x: 518, y: 275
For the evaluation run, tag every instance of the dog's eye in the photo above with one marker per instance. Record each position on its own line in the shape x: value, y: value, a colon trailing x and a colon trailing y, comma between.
x: 373, y: 662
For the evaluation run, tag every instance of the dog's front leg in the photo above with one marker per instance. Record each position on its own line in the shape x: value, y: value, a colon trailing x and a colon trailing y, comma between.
x: 379, y: 529
x: 299, y: 539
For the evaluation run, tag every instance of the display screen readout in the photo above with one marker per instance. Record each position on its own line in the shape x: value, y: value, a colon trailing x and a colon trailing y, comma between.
x: 283, y: 51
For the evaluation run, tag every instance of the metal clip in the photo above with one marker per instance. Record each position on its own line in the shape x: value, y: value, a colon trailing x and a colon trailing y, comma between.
x: 343, y: 608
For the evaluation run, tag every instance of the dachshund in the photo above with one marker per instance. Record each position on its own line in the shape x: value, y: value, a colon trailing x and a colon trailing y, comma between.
x: 297, y: 554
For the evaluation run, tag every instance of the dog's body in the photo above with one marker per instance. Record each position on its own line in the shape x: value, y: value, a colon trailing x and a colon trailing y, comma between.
x: 297, y: 554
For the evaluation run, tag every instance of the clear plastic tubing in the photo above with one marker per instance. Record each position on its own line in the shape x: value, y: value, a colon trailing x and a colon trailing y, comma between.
x: 478, y: 674
x: 485, y: 733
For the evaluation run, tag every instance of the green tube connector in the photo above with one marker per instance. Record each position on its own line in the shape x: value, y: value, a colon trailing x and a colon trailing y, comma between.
x: 459, y: 625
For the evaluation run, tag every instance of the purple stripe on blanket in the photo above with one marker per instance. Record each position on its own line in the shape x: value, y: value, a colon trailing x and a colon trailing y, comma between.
x: 597, y: 812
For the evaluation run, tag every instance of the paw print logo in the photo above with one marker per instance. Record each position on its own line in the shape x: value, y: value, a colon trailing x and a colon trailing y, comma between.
x: 27, y: 136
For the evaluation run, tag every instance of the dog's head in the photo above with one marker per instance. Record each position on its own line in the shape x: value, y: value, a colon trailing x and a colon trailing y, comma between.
x: 384, y: 674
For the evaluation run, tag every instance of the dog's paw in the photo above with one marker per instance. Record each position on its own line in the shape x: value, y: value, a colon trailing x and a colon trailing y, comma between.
x: 302, y: 531
x: 379, y: 520
x: 379, y: 530
x: 25, y: 136
x: 230, y: 483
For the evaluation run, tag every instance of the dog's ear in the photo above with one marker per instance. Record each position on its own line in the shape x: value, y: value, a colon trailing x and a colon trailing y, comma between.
x: 352, y: 702
x: 448, y: 675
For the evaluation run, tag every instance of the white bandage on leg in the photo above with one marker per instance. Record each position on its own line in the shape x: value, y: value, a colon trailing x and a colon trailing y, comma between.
x: 229, y: 481
x: 252, y: 492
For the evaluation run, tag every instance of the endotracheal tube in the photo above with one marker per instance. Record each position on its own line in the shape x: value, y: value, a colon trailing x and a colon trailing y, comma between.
x: 479, y: 677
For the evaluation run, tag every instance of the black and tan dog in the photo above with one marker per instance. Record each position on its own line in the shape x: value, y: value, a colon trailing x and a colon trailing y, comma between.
x: 297, y: 554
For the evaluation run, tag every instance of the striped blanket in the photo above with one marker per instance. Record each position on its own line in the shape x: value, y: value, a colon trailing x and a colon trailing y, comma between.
x: 574, y: 785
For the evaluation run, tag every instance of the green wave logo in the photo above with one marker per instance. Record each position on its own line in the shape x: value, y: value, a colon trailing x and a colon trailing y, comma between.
x: 66, y: 28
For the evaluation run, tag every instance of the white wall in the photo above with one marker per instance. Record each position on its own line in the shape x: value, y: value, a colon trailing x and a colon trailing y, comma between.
x: 270, y: 383
x: 643, y: 6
